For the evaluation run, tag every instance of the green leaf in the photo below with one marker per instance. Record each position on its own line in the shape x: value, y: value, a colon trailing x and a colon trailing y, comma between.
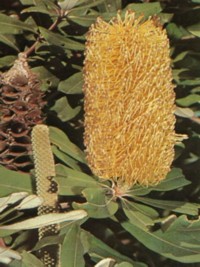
x: 8, y: 183
x: 177, y: 206
x: 45, y: 220
x: 179, y: 150
x: 27, y: 2
x: 66, y: 159
x: 29, y: 260
x: 21, y: 240
x: 43, y: 50
x: 138, y: 190
x: 188, y: 208
x: 85, y: 21
x: 147, y: 211
x: 11, y: 199
x: 165, y: 17
x: 188, y: 100
x: 109, y: 6
x: 64, y: 111
x: 67, y: 4
x: 5, y: 215
x: 180, y: 56
x: 191, y: 81
x: 174, y: 180
x: 48, y: 79
x: 136, y: 217
x: 179, y: 242
x: 194, y: 29
x: 186, y: 77
x: 176, y: 32
x: 86, y: 5
x: 142, y: 214
x: 6, y: 255
x: 15, y: 263
x: 7, y: 61
x: 37, y: 9
x: 73, y: 85
x: 146, y: 9
x: 184, y: 112
x: 71, y: 182
x: 10, y: 25
x: 99, y: 250
x: 40, y: 3
x: 60, y: 139
x: 30, y: 202
x: 191, y: 159
x: 188, y: 59
x: 6, y: 40
x: 196, y: 90
x: 60, y: 40
x: 127, y: 264
x: 98, y: 205
x: 108, y: 262
x: 48, y: 3
x: 43, y: 6
x: 72, y: 250
x: 48, y: 240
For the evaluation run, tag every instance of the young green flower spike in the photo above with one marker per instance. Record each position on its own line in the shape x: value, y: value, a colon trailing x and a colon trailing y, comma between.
x: 129, y: 101
x: 46, y: 188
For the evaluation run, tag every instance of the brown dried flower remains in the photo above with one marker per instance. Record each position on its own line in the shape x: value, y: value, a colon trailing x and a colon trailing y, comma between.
x: 21, y: 103
x: 129, y: 101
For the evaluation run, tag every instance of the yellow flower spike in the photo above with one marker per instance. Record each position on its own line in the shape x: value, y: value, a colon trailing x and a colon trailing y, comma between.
x: 46, y: 188
x: 129, y: 101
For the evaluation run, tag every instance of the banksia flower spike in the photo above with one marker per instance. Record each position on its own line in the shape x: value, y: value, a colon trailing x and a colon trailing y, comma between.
x: 21, y: 103
x: 46, y: 188
x: 129, y: 101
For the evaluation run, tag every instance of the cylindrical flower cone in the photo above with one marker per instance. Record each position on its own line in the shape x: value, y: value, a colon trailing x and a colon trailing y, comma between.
x: 129, y: 101
x: 47, y: 189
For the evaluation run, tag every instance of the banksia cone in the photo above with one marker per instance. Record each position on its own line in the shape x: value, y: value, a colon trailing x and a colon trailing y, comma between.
x: 129, y: 101
x: 20, y: 103
x: 46, y: 188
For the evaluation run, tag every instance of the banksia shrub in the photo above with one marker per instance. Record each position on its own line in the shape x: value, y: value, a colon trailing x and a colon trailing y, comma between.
x: 129, y: 101
x: 21, y: 104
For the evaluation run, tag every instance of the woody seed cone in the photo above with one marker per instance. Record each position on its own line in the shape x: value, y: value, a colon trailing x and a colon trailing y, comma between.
x: 21, y: 104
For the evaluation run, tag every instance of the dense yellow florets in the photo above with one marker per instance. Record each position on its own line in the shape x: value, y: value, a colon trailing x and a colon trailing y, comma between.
x: 129, y: 101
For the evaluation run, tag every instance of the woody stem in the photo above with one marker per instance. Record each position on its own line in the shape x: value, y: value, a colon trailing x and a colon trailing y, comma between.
x: 40, y: 37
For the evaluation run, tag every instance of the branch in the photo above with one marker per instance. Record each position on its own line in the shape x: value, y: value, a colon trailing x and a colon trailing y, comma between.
x: 40, y: 37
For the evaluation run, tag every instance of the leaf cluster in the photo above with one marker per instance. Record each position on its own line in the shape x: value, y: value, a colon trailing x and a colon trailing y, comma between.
x: 148, y: 226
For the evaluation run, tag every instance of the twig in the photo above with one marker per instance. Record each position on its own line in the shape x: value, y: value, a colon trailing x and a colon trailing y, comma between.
x: 40, y: 37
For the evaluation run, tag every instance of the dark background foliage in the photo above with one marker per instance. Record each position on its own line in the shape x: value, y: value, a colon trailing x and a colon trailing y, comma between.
x: 55, y: 47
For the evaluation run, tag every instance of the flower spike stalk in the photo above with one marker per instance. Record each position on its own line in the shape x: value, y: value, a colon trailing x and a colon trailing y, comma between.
x: 46, y: 188
x: 129, y: 101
